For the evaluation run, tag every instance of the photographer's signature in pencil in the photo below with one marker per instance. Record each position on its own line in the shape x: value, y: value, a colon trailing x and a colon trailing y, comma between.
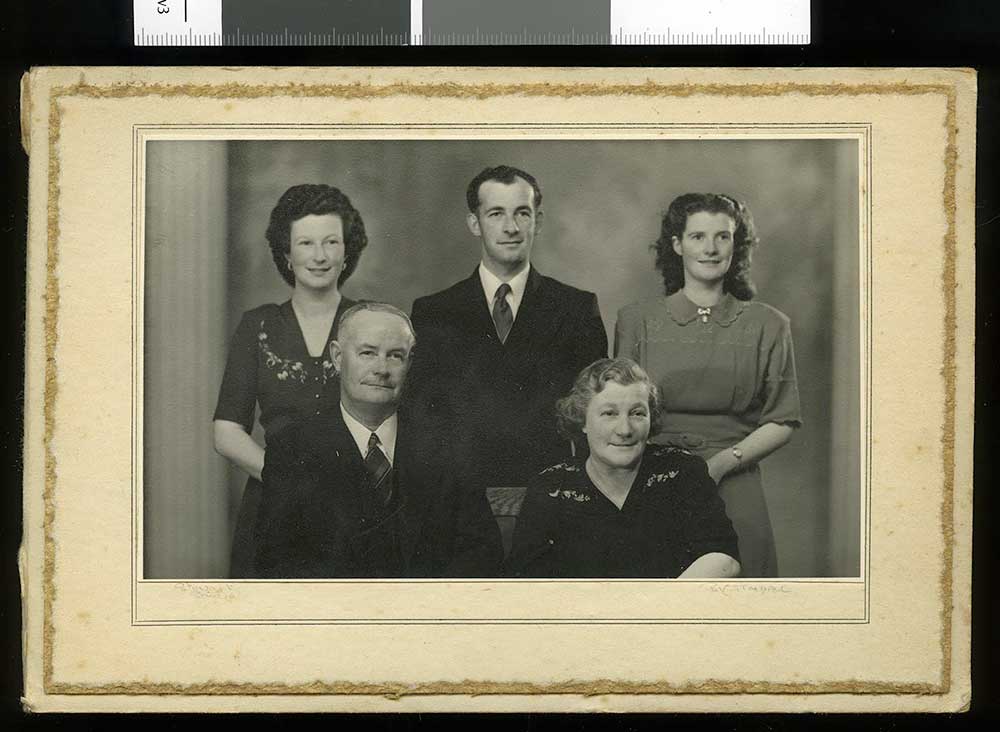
x: 729, y: 589
x: 211, y: 591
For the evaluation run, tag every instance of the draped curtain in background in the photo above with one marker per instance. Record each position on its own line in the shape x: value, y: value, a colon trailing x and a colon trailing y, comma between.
x: 186, y: 506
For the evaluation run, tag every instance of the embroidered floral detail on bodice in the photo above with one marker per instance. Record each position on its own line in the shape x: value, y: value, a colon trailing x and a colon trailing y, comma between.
x: 286, y: 368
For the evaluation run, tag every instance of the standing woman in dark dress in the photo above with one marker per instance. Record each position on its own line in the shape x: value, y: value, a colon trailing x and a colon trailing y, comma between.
x: 723, y: 361
x: 279, y: 355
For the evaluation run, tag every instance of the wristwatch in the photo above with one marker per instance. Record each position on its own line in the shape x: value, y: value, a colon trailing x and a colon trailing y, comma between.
x: 738, y: 454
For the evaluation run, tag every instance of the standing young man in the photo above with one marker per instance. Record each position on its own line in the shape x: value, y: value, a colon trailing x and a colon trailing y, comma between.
x: 500, y: 347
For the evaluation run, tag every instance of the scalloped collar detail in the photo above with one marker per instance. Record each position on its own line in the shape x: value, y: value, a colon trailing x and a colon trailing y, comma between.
x: 683, y: 311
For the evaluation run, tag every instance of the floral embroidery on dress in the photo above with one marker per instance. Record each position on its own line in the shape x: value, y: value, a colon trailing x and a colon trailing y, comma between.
x: 569, y: 494
x: 662, y: 450
x: 662, y: 477
x: 287, y: 368
x: 328, y: 371
x: 568, y: 467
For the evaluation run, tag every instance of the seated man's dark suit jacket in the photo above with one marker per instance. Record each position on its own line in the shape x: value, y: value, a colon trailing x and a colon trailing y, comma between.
x: 311, y: 521
x: 498, y: 399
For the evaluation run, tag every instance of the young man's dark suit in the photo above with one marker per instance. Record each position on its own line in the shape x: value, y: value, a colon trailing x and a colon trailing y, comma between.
x: 315, y: 522
x: 499, y: 398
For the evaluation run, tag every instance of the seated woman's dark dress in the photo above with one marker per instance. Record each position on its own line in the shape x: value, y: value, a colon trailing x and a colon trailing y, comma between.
x: 672, y: 516
x: 269, y: 364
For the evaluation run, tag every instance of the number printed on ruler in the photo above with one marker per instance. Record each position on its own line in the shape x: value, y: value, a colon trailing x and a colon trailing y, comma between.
x: 177, y: 22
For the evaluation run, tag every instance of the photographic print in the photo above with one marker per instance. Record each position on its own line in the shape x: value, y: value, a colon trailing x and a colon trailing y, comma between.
x: 604, y: 207
x: 519, y: 373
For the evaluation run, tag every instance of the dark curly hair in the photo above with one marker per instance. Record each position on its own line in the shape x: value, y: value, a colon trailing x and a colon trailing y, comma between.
x: 314, y: 199
x: 506, y: 174
x: 737, y: 281
x: 571, y: 410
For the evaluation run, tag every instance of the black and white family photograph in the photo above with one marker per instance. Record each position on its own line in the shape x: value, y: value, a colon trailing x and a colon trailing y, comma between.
x: 499, y: 389
x: 518, y: 358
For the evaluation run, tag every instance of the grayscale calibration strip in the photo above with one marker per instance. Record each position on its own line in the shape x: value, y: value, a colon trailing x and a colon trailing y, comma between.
x: 470, y: 22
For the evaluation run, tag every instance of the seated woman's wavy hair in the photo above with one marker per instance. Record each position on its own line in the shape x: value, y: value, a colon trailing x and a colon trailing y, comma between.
x: 571, y: 410
x: 737, y: 281
x: 314, y: 199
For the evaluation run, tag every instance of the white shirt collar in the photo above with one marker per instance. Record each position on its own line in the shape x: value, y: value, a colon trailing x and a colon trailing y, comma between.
x: 491, y: 282
x: 386, y: 433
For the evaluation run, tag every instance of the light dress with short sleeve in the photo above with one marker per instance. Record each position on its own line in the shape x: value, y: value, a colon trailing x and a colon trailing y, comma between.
x: 722, y: 374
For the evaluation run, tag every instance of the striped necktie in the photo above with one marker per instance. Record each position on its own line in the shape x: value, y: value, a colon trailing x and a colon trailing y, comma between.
x: 379, y: 469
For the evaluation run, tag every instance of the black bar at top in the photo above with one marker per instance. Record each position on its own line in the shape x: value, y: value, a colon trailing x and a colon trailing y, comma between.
x: 315, y: 22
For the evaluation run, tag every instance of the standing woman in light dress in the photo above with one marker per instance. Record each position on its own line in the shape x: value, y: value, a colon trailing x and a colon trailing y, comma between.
x: 279, y: 356
x: 723, y: 361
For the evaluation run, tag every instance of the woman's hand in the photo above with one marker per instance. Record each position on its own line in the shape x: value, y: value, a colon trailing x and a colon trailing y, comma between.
x: 717, y: 465
x: 238, y: 447
x: 713, y: 564
x: 755, y: 447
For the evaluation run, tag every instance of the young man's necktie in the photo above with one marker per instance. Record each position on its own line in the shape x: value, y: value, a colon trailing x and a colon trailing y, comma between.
x: 503, y: 317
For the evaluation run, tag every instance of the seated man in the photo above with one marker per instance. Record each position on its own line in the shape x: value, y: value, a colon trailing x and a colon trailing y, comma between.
x: 361, y: 492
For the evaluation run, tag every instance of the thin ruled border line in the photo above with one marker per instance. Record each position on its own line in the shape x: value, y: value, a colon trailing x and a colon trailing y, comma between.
x: 841, y: 127
x: 453, y: 90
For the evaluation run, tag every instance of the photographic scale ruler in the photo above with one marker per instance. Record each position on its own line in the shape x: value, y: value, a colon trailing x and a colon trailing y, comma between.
x: 469, y: 22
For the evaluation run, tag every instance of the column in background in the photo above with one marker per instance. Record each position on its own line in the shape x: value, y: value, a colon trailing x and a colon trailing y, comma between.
x: 185, y: 498
x: 845, y: 456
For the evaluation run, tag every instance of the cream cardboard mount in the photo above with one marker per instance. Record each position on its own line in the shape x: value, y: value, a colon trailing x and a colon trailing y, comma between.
x: 98, y: 635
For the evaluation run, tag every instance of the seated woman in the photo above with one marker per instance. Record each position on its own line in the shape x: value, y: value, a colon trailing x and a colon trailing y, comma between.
x: 628, y: 510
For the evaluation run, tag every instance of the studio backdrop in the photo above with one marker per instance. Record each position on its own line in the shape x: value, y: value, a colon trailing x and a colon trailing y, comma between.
x: 206, y: 261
